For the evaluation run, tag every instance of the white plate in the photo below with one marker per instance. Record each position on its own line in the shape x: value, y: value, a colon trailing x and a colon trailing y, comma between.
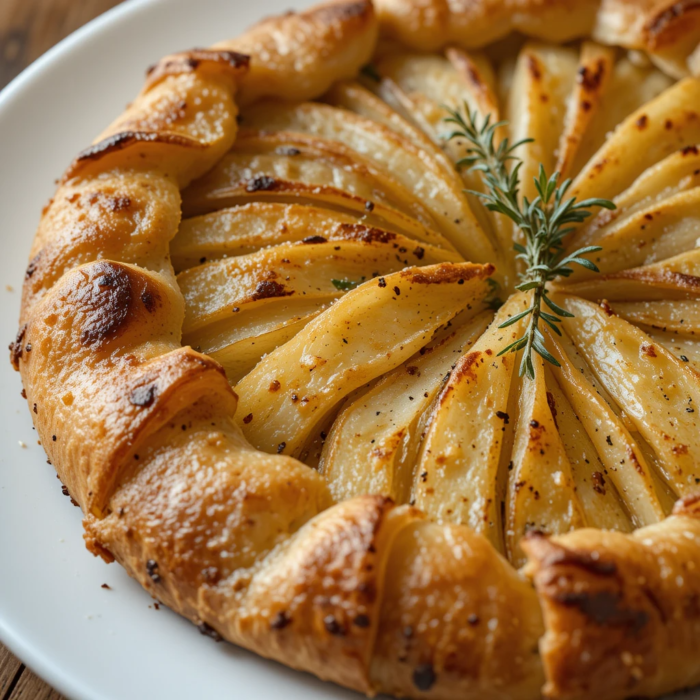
x: 89, y: 642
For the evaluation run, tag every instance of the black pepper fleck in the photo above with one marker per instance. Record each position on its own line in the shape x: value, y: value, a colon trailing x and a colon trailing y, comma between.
x: 152, y: 570
x: 424, y: 677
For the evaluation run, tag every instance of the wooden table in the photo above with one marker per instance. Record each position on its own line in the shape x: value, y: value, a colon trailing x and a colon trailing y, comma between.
x: 28, y: 28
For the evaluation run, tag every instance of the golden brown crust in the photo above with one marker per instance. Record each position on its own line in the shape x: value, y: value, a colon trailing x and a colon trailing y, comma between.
x: 668, y: 30
x: 622, y: 611
x: 329, y: 42
x: 249, y: 545
x: 453, y: 611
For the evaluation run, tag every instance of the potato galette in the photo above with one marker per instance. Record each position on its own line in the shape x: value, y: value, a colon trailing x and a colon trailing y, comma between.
x: 262, y: 331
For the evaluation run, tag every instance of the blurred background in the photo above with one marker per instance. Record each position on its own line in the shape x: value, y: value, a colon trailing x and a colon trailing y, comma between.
x: 29, y: 28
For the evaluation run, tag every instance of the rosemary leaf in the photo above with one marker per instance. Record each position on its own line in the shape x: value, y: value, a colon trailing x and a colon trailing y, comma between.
x: 545, y: 222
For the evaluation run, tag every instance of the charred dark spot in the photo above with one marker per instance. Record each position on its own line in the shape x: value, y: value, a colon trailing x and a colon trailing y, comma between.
x: 274, y: 385
x: 598, y: 483
x: 333, y: 626
x: 503, y: 416
x: 424, y: 677
x: 419, y: 252
x: 280, y: 447
x: 152, y: 570
x: 466, y: 366
x: 606, y: 307
x: 381, y: 282
x: 143, y: 396
x: 589, y: 79
x: 248, y: 418
x: 314, y: 239
x: 33, y: 264
x: 397, y: 291
x: 361, y: 621
x: 149, y: 300
x: 533, y: 66
x: 447, y: 274
x: 268, y: 289
x: 369, y: 206
x: 552, y: 407
x: 660, y: 23
x: 604, y: 609
x: 105, y: 303
x: 209, y: 631
x: 534, y: 424
x: 260, y: 183
x: 412, y: 370
x: 16, y: 347
x: 280, y: 620
x: 117, y: 142
x: 589, y: 562
x: 189, y: 61
x: 689, y: 150
x: 648, y: 350
x: 642, y: 122
x: 473, y: 619
x: 339, y: 13
x: 287, y: 151
x: 366, y: 234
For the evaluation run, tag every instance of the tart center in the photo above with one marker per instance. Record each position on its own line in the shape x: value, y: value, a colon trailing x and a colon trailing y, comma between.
x: 345, y: 272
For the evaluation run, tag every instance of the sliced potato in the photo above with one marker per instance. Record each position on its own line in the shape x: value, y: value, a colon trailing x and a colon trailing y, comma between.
x: 684, y: 348
x: 541, y: 489
x: 375, y: 439
x: 423, y: 86
x: 675, y: 278
x: 663, y: 230
x: 478, y: 75
x: 413, y: 167
x: 316, y: 269
x: 595, y: 71
x: 239, y: 356
x: 358, y: 99
x: 544, y: 78
x: 456, y: 478
x: 667, y: 123
x: 259, y: 160
x: 681, y: 317
x: 658, y: 392
x: 630, y: 86
x: 368, y: 332
x: 614, y: 447
x: 248, y: 228
x: 676, y: 173
x: 599, y: 499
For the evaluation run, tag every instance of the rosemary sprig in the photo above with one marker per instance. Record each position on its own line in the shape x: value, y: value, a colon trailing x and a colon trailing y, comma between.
x: 544, y: 222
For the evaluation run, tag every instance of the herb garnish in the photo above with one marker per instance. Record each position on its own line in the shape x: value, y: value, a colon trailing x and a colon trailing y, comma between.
x: 544, y: 222
x: 347, y: 285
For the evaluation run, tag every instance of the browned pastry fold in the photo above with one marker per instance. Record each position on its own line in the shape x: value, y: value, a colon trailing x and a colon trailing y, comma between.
x: 667, y: 29
x: 622, y: 612
x: 250, y: 546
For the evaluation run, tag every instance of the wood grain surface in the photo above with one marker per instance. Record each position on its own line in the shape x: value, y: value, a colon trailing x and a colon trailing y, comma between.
x: 28, y: 28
